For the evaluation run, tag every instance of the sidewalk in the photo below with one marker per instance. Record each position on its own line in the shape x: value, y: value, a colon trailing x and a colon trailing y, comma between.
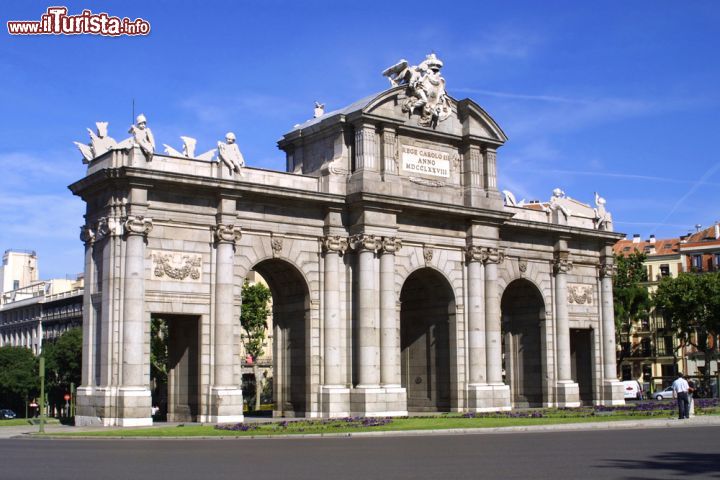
x: 698, y: 421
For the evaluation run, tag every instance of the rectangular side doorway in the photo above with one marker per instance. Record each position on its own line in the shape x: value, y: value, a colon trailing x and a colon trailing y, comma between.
x: 182, y: 367
x: 581, y: 362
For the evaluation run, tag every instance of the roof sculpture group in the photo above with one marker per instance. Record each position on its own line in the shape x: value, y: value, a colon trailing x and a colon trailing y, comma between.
x: 100, y: 143
x: 425, y: 96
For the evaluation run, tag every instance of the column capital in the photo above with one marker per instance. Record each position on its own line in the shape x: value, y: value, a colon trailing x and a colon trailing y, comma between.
x: 364, y: 241
x: 87, y: 235
x: 227, y: 233
x: 390, y: 245
x: 335, y: 244
x: 109, y: 227
x: 493, y: 255
x: 474, y: 253
x: 562, y: 263
x: 608, y: 270
x: 137, y: 225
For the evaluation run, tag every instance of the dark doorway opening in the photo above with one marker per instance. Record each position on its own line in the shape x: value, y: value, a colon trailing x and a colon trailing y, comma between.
x: 426, y: 315
x: 175, y: 367
x: 581, y: 362
x: 523, y: 312
x: 291, y: 328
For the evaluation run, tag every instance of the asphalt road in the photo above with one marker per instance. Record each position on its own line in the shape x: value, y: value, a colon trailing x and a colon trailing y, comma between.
x: 617, y: 454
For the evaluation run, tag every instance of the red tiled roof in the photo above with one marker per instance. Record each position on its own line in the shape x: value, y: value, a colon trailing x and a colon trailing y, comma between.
x: 663, y: 246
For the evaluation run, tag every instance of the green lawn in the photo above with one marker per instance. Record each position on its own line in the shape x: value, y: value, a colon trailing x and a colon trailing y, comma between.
x: 17, y: 422
x: 344, y: 426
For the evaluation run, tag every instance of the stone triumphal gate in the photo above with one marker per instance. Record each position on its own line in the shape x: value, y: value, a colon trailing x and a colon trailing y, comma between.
x: 402, y: 279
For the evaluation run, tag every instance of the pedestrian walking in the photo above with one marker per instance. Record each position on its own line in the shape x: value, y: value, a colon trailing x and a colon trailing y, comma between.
x: 680, y: 391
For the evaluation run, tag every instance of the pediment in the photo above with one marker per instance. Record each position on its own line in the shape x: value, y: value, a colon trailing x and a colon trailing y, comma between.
x: 466, y: 117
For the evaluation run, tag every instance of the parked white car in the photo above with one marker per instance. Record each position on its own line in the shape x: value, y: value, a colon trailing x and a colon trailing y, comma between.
x: 633, y: 389
x: 663, y: 394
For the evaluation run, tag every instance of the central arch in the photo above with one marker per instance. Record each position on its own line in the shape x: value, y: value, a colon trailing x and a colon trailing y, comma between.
x: 523, y: 312
x: 291, y: 327
x: 427, y: 314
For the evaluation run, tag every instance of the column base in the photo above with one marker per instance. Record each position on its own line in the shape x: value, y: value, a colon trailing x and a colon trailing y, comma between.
x: 226, y: 406
x: 335, y: 401
x: 376, y: 401
x: 113, y: 407
x: 488, y: 398
x: 613, y: 393
x: 567, y: 394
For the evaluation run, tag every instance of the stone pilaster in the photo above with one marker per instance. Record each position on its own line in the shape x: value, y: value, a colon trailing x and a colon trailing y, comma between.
x: 389, y: 149
x: 613, y: 392
x: 226, y: 403
x: 87, y: 236
x: 568, y: 392
x: 492, y: 257
x: 335, y: 394
x: 365, y: 148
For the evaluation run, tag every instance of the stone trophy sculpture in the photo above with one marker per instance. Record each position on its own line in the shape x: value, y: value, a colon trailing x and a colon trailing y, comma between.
x: 229, y: 154
x: 99, y: 143
x: 426, y: 89
x: 143, y: 137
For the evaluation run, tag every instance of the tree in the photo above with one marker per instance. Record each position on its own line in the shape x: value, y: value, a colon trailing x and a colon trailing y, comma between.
x: 63, y: 365
x: 253, y: 318
x: 630, y: 296
x: 18, y: 377
x: 159, y: 362
x: 692, y: 303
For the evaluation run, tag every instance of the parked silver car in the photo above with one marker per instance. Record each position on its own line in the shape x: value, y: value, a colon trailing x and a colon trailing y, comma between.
x: 663, y: 394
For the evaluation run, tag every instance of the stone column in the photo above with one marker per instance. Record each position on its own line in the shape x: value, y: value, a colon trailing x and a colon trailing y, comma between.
x: 493, y: 337
x: 389, y: 323
x: 133, y: 366
x: 226, y: 402
x: 368, y: 328
x: 568, y: 393
x: 613, y: 392
x: 87, y: 235
x: 476, y: 317
x: 134, y: 392
x: 499, y: 393
x: 333, y: 246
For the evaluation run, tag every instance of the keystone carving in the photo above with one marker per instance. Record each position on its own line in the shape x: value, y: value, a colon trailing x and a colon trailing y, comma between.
x: 277, y: 245
x: 428, y: 253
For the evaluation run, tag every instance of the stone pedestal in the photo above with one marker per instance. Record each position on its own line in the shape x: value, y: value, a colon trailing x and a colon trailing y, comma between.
x: 113, y: 407
x: 226, y: 406
x: 613, y: 393
x: 567, y: 394
x: 335, y: 401
x: 488, y: 398
x: 378, y: 402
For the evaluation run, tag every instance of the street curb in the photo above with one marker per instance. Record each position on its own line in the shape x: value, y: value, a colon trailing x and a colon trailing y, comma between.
x: 709, y: 421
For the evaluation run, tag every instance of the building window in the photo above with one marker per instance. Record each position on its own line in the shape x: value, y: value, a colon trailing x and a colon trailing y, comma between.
x: 16, y: 284
x: 665, y: 270
x: 697, y: 263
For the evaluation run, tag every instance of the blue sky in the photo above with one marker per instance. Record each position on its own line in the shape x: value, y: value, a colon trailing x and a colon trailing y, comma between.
x: 617, y: 97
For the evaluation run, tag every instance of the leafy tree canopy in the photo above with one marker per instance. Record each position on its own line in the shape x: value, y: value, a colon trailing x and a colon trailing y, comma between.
x: 692, y: 303
x: 631, y: 298
x: 63, y: 359
x: 18, y: 377
x: 253, y: 316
